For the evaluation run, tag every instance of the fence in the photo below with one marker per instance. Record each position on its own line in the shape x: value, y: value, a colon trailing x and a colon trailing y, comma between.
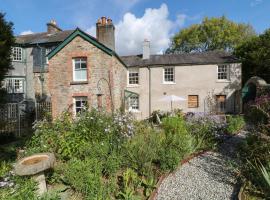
x: 17, y: 118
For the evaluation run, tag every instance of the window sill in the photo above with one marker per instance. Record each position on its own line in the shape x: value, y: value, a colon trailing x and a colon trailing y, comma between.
x: 223, y: 81
x: 17, y: 61
x: 78, y: 82
x: 133, y: 85
x: 135, y: 111
x: 169, y: 83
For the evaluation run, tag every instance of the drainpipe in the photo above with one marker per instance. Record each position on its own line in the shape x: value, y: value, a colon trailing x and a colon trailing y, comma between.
x: 150, y: 88
x: 42, y: 70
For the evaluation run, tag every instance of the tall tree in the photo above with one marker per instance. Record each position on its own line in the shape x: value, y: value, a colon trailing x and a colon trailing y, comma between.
x: 7, y: 40
x: 212, y: 34
x: 255, y: 56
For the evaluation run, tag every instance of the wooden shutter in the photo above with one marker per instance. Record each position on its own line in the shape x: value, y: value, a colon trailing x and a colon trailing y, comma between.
x: 193, y: 101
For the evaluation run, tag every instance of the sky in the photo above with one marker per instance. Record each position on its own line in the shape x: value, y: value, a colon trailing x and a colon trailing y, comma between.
x: 134, y: 20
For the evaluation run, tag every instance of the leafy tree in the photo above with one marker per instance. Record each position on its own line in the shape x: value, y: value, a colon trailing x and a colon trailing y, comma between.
x: 255, y: 56
x: 7, y: 40
x: 212, y: 34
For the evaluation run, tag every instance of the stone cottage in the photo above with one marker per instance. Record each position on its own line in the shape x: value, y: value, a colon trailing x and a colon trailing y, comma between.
x: 83, y: 71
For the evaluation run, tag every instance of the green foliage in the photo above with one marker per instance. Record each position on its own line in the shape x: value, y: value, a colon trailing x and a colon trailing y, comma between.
x: 212, y: 34
x: 177, y: 143
x: 85, y: 176
x: 254, y: 54
x: 141, y: 151
x: 130, y: 182
x: 7, y: 40
x: 103, y: 156
x: 235, y: 124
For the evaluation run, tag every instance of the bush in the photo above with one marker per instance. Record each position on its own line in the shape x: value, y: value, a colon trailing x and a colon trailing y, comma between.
x: 141, y: 151
x: 206, y: 129
x: 176, y: 144
x: 235, y: 124
x: 86, y: 177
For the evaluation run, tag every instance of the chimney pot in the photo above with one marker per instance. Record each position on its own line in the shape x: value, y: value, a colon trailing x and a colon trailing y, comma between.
x: 109, y: 21
x: 103, y: 20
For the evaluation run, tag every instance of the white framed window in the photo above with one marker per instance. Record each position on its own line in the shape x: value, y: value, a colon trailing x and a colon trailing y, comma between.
x: 79, y: 69
x: 16, y: 53
x: 133, y: 76
x: 80, y: 103
x: 168, y: 75
x: 14, y: 85
x: 133, y: 103
x: 223, y: 72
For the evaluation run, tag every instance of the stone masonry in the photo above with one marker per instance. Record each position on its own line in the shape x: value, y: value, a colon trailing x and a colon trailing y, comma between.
x: 100, y: 66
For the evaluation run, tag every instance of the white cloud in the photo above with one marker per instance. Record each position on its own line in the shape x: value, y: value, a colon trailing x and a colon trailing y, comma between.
x: 255, y: 3
x: 154, y: 25
x: 26, y: 32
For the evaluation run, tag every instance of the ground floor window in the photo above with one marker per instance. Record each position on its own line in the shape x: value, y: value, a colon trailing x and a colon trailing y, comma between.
x: 221, y: 103
x: 193, y: 101
x: 133, y: 103
x: 80, y: 103
x: 14, y: 85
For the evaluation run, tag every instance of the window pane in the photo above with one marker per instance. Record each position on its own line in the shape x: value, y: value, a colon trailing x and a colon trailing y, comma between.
x: 77, y: 65
x: 81, y: 75
x: 83, y: 65
x: 169, y: 74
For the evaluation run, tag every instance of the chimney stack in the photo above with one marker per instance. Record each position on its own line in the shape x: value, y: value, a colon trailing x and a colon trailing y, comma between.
x: 52, y: 27
x: 105, y: 32
x: 146, y: 49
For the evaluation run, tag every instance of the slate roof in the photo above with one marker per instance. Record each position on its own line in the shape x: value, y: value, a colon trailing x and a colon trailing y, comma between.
x: 43, y: 37
x: 212, y: 57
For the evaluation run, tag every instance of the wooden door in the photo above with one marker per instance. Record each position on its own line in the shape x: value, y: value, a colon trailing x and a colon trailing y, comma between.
x: 221, y: 104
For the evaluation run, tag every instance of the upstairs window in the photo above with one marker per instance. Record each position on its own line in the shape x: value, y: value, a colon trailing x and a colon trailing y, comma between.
x: 223, y: 72
x: 133, y: 77
x: 17, y: 54
x: 169, y: 76
x: 80, y: 103
x: 14, y: 85
x: 133, y: 103
x: 79, y: 69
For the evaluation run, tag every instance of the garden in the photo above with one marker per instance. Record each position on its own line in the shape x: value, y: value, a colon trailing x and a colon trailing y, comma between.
x: 254, y: 153
x: 111, y: 156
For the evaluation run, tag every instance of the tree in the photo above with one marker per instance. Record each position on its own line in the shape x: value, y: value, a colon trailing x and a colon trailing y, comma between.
x: 7, y: 40
x: 255, y: 57
x: 212, y: 34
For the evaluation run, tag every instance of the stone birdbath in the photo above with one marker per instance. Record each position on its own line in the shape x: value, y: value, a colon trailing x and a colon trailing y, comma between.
x: 35, y: 166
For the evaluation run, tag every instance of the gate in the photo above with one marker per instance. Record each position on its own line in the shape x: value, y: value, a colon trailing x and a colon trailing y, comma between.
x: 14, y: 119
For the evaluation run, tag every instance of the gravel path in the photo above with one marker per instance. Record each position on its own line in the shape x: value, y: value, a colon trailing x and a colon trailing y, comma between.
x: 208, y: 176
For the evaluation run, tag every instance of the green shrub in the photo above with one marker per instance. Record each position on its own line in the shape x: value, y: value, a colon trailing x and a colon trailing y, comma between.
x: 86, y: 177
x: 141, y: 151
x: 235, y: 124
x: 176, y: 144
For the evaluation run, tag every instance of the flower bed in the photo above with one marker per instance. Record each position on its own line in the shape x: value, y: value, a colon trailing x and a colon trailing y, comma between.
x: 107, y: 156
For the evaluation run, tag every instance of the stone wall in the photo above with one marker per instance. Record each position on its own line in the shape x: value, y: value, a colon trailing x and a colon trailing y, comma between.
x: 101, y: 68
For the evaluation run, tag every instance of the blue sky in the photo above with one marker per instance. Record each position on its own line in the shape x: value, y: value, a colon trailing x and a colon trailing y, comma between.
x: 156, y: 20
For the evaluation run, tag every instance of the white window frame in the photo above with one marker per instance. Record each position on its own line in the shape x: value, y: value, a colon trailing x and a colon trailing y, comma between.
x: 133, y: 71
x: 14, y: 85
x: 223, y: 75
x: 79, y: 99
x: 84, y: 59
x: 164, y: 78
x: 17, y: 54
x: 134, y: 106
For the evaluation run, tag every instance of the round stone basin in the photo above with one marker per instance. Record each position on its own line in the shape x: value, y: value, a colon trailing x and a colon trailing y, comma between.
x: 34, y: 164
x: 34, y: 159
